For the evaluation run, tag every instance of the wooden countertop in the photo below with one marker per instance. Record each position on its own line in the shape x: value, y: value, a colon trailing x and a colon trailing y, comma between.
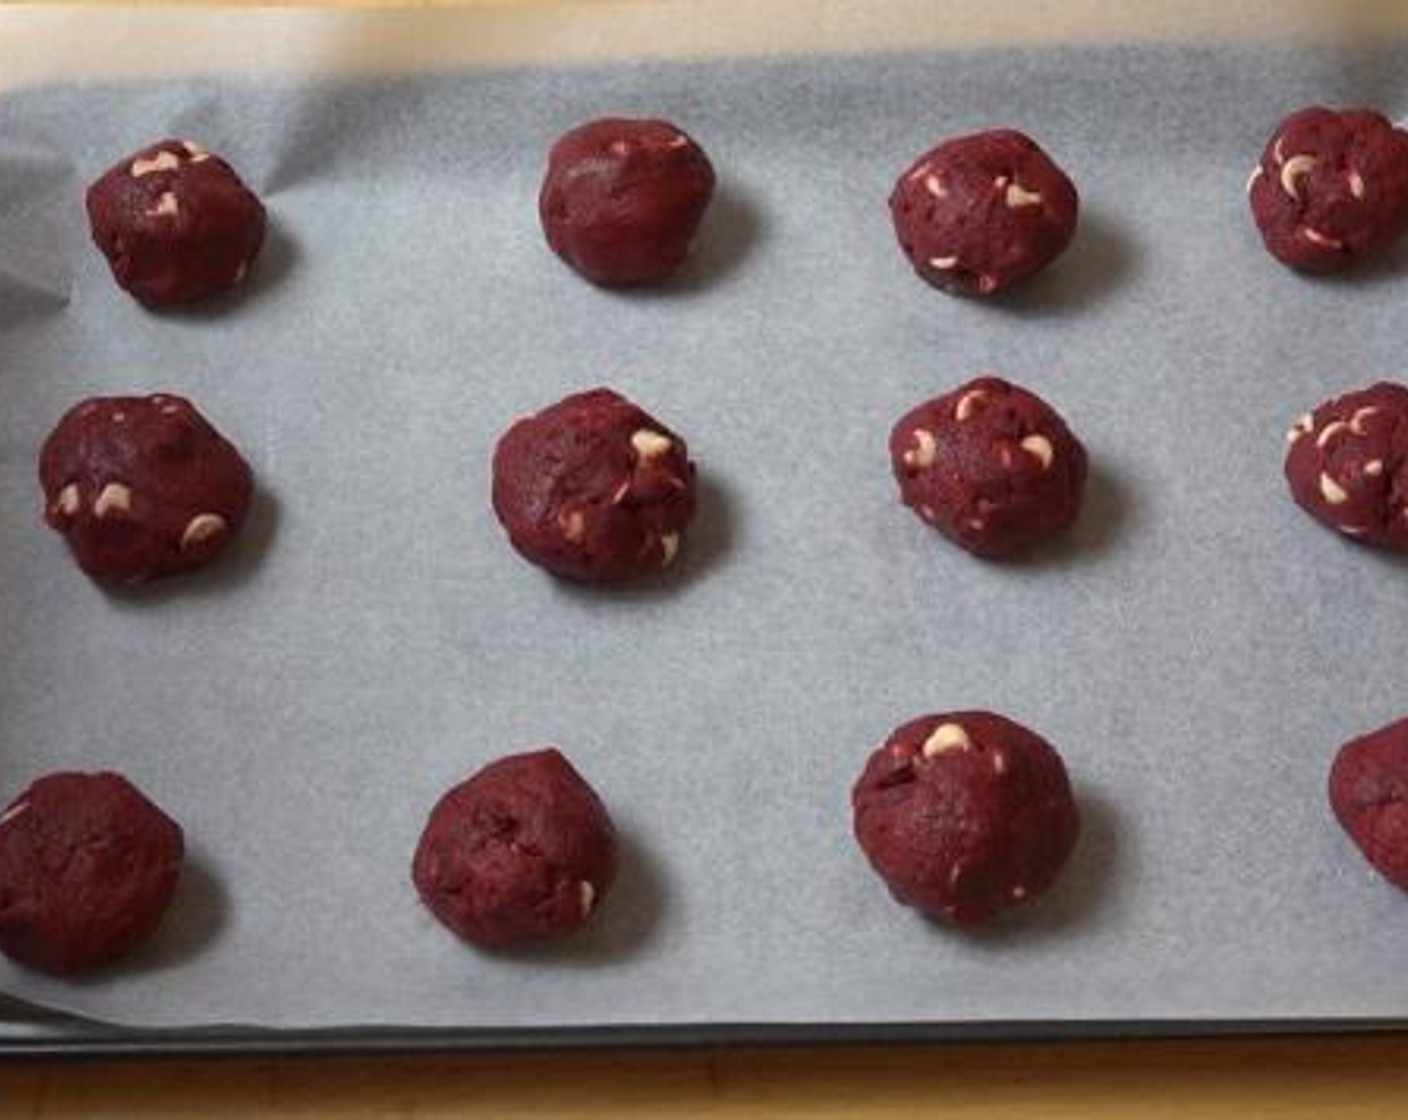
x: 1344, y: 1077
x: 1288, y: 1079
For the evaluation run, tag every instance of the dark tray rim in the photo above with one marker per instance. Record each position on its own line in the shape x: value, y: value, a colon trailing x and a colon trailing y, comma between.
x: 92, y: 1040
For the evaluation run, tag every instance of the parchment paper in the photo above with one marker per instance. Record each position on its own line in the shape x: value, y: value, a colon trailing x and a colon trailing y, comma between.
x: 1196, y: 649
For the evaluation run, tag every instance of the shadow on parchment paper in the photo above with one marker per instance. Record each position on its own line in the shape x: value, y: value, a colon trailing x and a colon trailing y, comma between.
x: 1383, y: 269
x: 192, y: 925
x: 1101, y: 523
x: 707, y: 542
x: 237, y: 566
x: 22, y: 299
x: 1100, y: 258
x: 626, y: 921
x: 733, y: 227
x: 1090, y: 883
x: 277, y: 259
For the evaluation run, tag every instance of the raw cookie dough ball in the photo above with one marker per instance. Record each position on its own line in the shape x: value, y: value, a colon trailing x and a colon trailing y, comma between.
x: 594, y: 489
x: 965, y: 814
x: 1348, y: 465
x: 88, y: 867
x: 142, y: 487
x: 983, y: 212
x: 623, y: 199
x: 1369, y: 796
x: 175, y: 223
x: 522, y: 851
x: 1331, y: 188
x: 991, y: 466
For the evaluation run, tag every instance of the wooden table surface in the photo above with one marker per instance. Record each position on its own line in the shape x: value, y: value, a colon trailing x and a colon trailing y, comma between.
x: 1344, y: 1077
x: 1288, y: 1079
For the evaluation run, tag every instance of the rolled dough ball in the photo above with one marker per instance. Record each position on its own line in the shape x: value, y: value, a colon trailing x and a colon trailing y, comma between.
x: 88, y: 867
x: 1331, y: 188
x: 623, y: 199
x: 521, y: 851
x: 175, y: 223
x: 594, y: 489
x: 964, y: 814
x: 991, y: 466
x: 981, y: 213
x: 1347, y: 465
x: 142, y: 487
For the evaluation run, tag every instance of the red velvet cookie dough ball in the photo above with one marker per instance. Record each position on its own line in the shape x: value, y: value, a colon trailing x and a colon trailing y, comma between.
x: 142, y: 487
x: 522, y: 851
x: 983, y: 212
x: 991, y: 466
x: 175, y: 223
x: 623, y: 199
x: 1369, y: 797
x: 594, y: 489
x: 964, y: 814
x: 1348, y: 465
x: 1331, y: 188
x: 88, y: 866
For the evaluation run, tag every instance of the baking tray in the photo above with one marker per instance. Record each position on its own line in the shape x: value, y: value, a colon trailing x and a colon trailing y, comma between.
x: 1153, y: 919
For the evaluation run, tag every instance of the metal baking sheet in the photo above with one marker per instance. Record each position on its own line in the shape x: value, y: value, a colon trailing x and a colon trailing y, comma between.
x: 1196, y: 648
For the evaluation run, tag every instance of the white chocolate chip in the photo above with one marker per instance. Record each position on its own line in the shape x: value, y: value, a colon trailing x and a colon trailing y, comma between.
x: 1305, y: 424
x: 1018, y: 196
x: 1292, y: 170
x: 1276, y: 151
x: 162, y: 161
x: 1374, y: 467
x: 987, y: 283
x: 669, y: 545
x: 977, y: 524
x: 618, y: 147
x: 1356, y: 184
x: 170, y: 409
x: 946, y: 737
x: 678, y: 141
x: 573, y: 525
x: 967, y: 403
x: 193, y: 149
x: 1352, y: 530
x: 1356, y: 422
x: 166, y: 206
x: 1039, y: 446
x: 918, y: 173
x: 1018, y: 893
x: 1322, y: 239
x: 113, y: 496
x: 1332, y: 491
x: 943, y: 264
x: 621, y: 491
x: 1000, y: 183
x: 200, y: 528
x: 14, y: 811
x: 927, y: 513
x: 118, y: 417
x: 67, y: 501
x: 587, y: 893
x: 650, y: 445
x: 1253, y: 177
x: 934, y: 187
x: 999, y: 762
x: 1329, y: 431
x: 923, y: 454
